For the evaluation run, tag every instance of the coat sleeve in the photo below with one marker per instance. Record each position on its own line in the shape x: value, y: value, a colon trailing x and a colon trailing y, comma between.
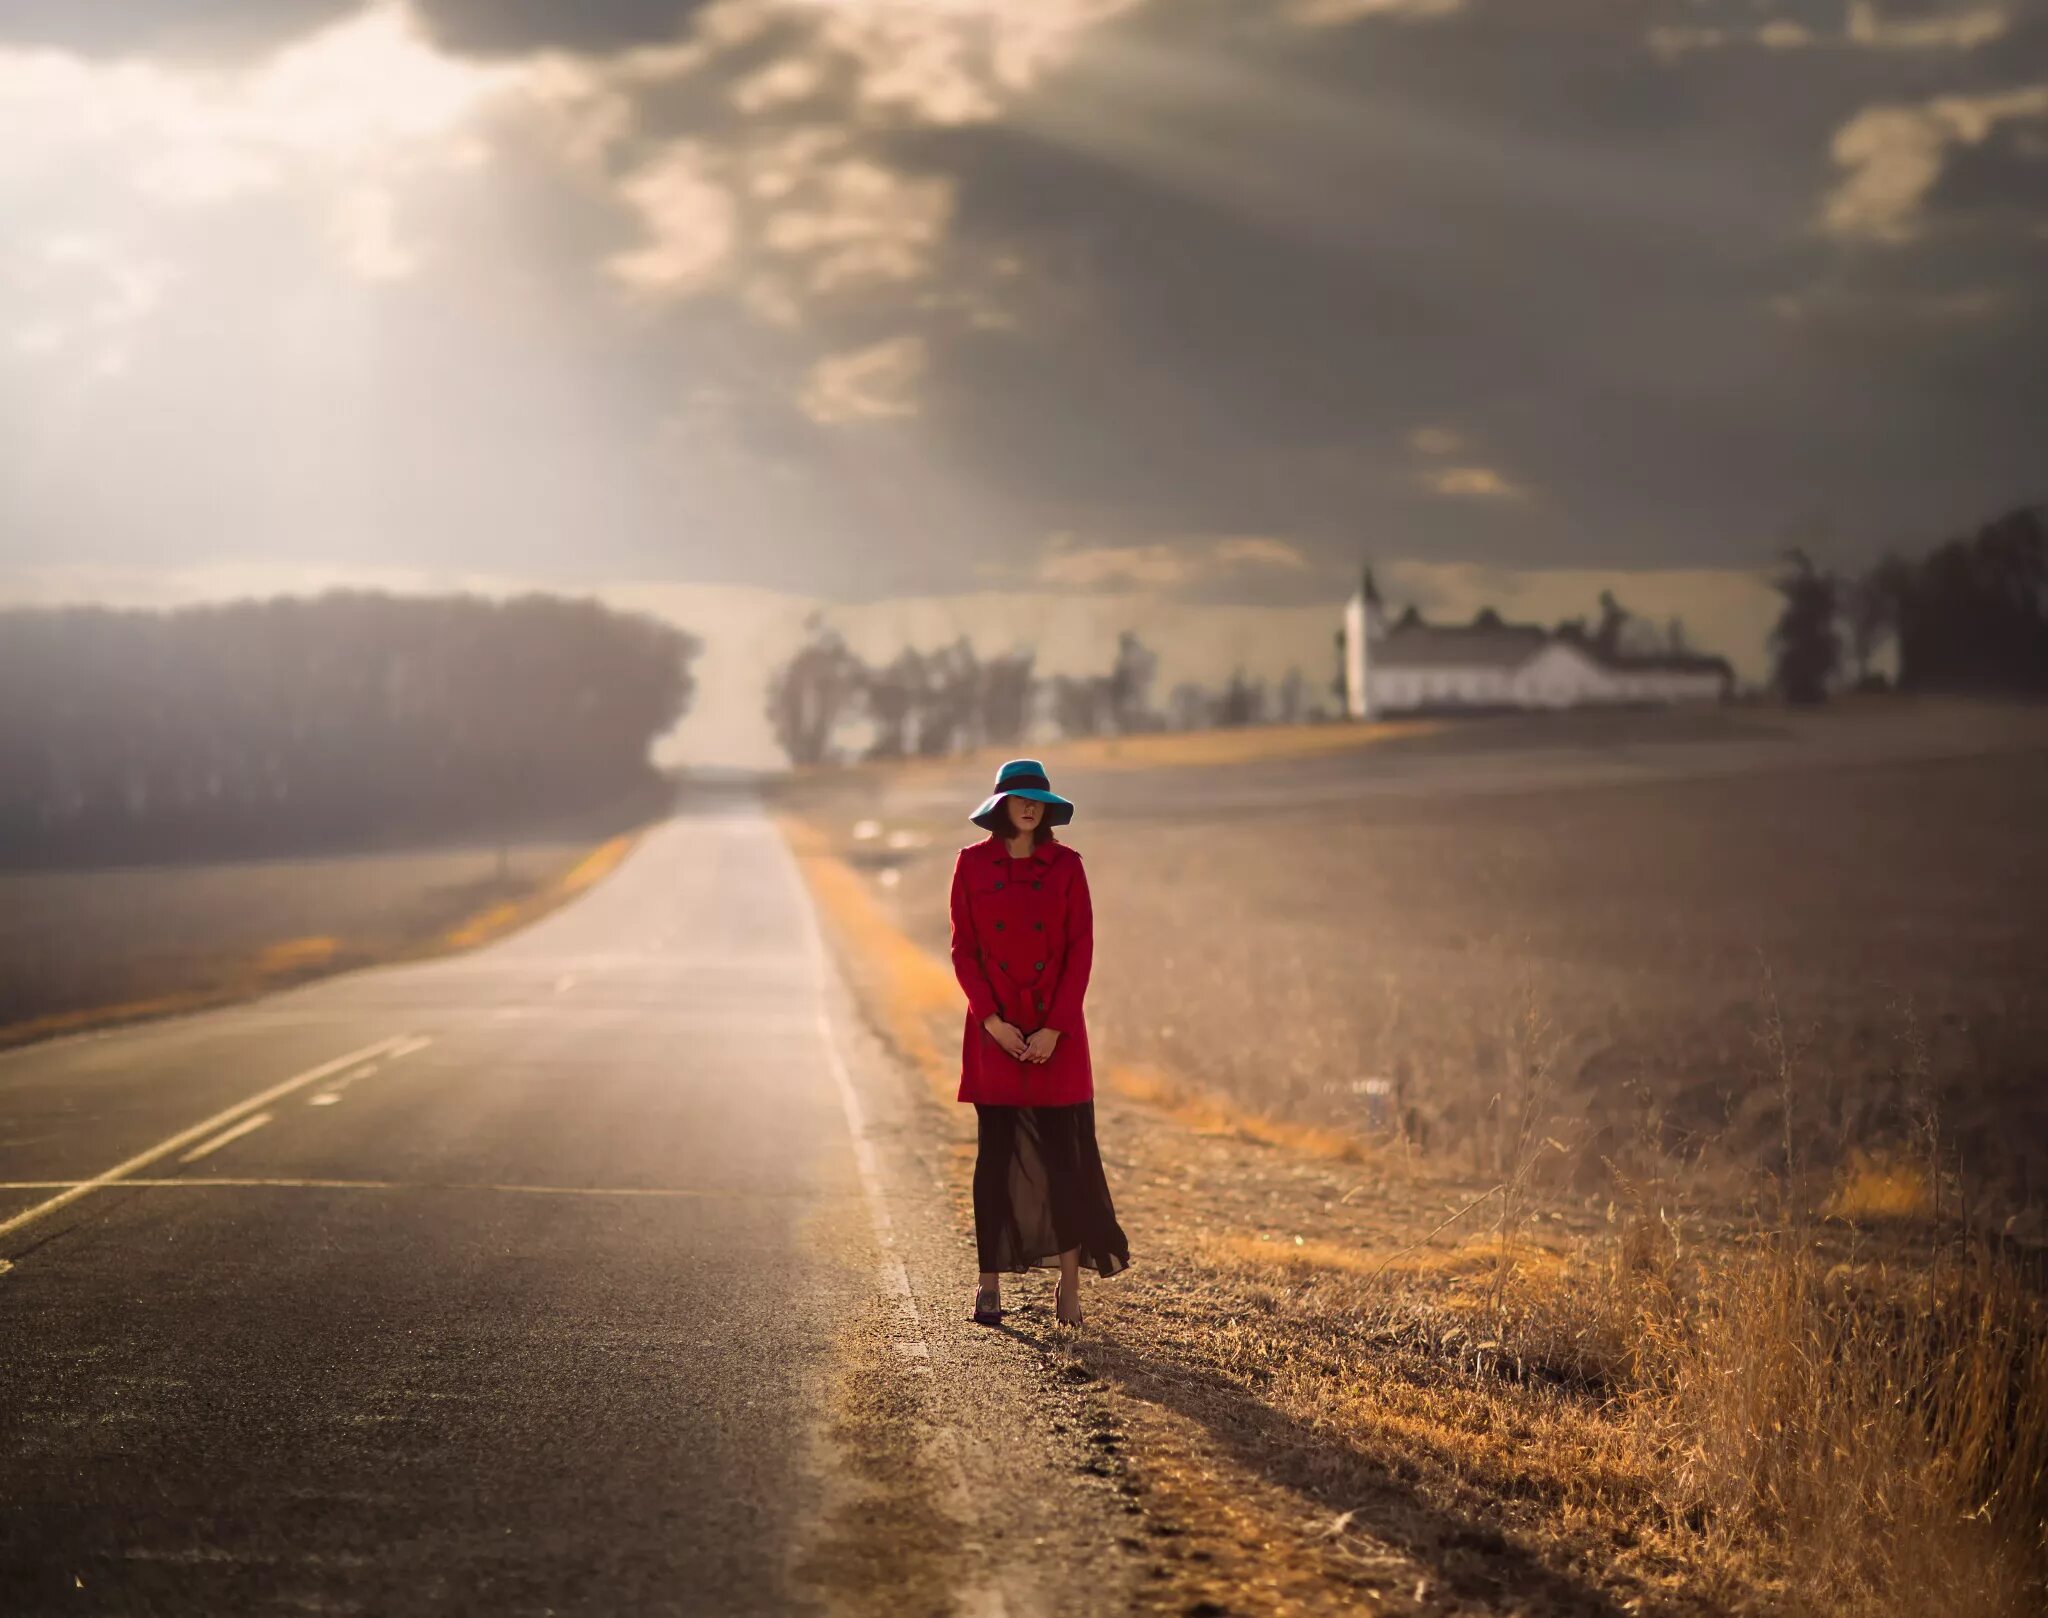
x: 981, y: 997
x: 1080, y: 956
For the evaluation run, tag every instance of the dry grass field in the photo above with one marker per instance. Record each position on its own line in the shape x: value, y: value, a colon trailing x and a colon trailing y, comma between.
x: 78, y: 948
x: 1679, y: 960
x: 1685, y: 1260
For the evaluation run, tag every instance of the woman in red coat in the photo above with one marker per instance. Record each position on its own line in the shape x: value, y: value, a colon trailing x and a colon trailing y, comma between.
x: 1023, y: 942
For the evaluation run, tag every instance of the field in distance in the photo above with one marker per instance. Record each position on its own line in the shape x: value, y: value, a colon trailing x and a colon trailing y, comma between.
x: 79, y: 948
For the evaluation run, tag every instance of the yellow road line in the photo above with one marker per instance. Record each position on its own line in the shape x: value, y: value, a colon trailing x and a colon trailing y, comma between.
x: 198, y: 1132
x: 207, y: 1148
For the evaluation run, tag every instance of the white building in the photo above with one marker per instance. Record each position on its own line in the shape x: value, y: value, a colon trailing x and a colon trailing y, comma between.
x: 1412, y: 666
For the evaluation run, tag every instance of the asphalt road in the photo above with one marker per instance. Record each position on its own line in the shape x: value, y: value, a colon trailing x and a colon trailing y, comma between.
x: 529, y: 1280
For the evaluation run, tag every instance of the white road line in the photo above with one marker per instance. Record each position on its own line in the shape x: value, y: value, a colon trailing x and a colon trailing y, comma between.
x: 198, y: 1132
x: 983, y: 1600
x: 245, y: 1127
x: 895, y: 1279
x: 332, y: 1094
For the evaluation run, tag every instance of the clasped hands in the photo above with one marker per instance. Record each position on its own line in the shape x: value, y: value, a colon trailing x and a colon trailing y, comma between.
x: 1037, y: 1048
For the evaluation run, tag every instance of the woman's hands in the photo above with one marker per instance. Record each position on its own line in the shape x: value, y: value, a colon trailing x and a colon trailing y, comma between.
x: 1038, y: 1048
x: 1005, y: 1035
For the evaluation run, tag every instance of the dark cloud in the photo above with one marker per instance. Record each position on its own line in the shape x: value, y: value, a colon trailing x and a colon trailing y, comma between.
x: 1603, y: 270
x: 1207, y: 278
x: 503, y: 27
x: 176, y: 28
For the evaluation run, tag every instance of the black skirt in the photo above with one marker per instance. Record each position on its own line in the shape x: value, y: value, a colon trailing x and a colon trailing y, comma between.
x: 1039, y: 1191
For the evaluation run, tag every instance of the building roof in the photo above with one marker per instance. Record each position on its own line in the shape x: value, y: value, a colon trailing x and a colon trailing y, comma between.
x: 1497, y: 646
x: 1502, y: 645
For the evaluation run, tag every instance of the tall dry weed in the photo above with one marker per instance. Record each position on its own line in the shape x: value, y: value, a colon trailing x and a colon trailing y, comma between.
x: 1863, y: 1419
x: 1886, y: 1428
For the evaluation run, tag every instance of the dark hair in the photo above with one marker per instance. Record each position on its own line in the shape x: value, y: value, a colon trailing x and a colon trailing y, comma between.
x: 1006, y: 827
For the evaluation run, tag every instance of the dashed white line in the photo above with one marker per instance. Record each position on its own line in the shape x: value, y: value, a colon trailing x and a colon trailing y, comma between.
x: 246, y: 1127
x: 332, y: 1094
x: 198, y: 1132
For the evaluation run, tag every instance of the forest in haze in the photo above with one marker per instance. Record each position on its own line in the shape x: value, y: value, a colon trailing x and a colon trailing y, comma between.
x: 342, y: 721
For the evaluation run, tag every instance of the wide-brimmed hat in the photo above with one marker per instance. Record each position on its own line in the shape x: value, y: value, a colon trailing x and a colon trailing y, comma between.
x: 1023, y: 778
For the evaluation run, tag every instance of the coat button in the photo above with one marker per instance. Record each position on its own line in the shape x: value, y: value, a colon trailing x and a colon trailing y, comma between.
x: 999, y: 887
x: 1037, y: 926
x: 1041, y: 1004
x: 999, y: 926
x: 1038, y: 966
x: 1035, y: 884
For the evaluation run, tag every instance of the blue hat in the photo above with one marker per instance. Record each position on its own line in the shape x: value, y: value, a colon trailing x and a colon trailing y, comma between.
x: 1023, y: 778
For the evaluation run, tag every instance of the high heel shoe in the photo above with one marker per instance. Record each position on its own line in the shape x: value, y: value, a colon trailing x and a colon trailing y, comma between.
x: 988, y: 1308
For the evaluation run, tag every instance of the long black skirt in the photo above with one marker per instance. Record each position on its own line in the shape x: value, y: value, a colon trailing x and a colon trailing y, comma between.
x: 1039, y: 1191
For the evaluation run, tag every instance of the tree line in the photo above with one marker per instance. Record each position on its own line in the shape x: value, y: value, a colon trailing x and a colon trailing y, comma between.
x: 928, y: 704
x: 1971, y: 616
x: 353, y: 717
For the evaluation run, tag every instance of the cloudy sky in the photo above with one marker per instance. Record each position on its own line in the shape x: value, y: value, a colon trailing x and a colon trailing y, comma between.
x: 869, y: 299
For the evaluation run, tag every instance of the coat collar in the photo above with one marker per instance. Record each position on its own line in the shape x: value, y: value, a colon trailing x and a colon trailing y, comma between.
x: 998, y: 850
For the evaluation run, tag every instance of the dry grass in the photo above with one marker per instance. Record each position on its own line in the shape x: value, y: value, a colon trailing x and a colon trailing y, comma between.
x: 1363, y: 967
x: 1884, y: 1428
x: 1880, y: 1185
x: 1210, y: 1115
x: 1449, y: 1383
x: 1235, y: 744
x: 87, y: 949
x: 1784, y: 1424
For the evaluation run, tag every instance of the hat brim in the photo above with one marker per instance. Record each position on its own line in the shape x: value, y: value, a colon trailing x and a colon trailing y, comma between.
x: 1059, y: 810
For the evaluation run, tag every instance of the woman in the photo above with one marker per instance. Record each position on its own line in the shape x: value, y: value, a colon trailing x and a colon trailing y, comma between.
x: 1023, y: 942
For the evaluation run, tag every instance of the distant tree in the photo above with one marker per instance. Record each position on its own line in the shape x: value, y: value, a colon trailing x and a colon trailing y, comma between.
x: 1806, y: 648
x: 1973, y: 614
x: 1675, y: 641
x: 1243, y: 701
x: 953, y: 700
x: 1614, y: 619
x: 1130, y: 685
x: 1188, y: 708
x: 1293, y: 697
x: 1080, y: 704
x: 1486, y: 618
x: 811, y: 695
x: 1870, y: 605
x: 895, y: 694
x: 1411, y: 617
x: 1007, y: 683
x: 1572, y: 629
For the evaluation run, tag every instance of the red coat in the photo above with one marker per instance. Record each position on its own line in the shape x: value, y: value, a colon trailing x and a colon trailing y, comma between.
x: 1023, y: 941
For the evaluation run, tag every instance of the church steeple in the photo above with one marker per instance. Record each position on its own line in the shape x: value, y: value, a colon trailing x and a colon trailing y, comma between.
x: 1363, y: 620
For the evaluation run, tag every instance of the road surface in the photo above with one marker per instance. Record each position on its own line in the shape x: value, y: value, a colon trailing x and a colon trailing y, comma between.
x: 549, y: 1278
